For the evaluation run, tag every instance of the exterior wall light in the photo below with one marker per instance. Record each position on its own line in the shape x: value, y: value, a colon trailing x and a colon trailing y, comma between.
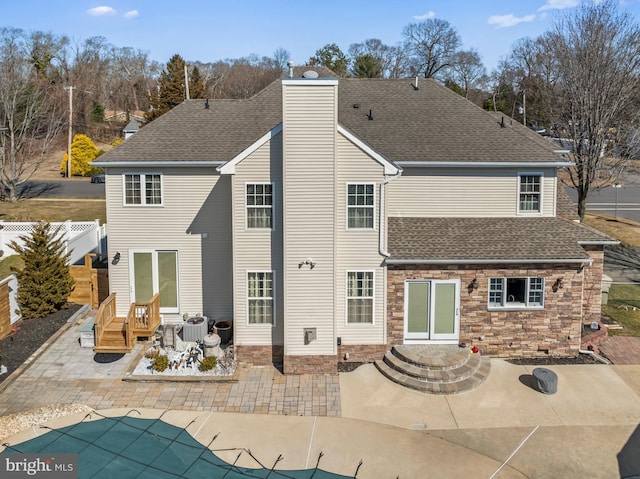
x: 116, y: 258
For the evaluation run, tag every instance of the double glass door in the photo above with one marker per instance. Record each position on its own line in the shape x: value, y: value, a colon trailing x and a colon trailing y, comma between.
x: 155, y: 272
x: 432, y: 310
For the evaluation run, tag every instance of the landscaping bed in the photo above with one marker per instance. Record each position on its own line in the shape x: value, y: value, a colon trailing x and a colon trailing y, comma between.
x: 30, y: 334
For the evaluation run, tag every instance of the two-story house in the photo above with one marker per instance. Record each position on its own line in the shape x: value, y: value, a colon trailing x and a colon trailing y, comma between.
x: 332, y: 218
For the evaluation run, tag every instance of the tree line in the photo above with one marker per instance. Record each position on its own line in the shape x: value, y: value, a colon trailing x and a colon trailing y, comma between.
x: 577, y: 81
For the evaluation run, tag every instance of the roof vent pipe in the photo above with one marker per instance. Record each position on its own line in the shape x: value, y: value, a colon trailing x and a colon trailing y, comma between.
x: 290, y: 64
x: 502, y: 123
x: 370, y: 115
x: 415, y: 87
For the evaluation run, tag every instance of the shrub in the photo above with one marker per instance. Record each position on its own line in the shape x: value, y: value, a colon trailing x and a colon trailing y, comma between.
x: 207, y: 364
x: 44, y: 281
x: 161, y: 363
x: 83, y: 152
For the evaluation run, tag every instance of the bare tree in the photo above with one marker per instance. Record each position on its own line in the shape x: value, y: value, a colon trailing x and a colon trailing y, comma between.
x: 597, y: 49
x: 467, y: 70
x: 372, y: 58
x: 29, y: 116
x: 431, y: 45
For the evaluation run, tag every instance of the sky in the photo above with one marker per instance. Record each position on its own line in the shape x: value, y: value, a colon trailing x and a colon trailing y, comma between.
x: 212, y: 30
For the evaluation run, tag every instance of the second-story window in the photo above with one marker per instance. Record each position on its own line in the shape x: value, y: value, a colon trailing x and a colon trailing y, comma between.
x: 259, y: 205
x: 142, y: 189
x: 530, y: 194
x: 360, y: 205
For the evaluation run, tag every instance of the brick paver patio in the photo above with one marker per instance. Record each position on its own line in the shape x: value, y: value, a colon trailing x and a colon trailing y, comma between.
x: 622, y: 350
x: 67, y: 373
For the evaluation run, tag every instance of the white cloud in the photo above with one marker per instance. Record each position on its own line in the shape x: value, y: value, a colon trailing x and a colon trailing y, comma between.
x: 559, y: 5
x: 132, y: 14
x: 100, y: 11
x: 426, y: 16
x: 510, y: 20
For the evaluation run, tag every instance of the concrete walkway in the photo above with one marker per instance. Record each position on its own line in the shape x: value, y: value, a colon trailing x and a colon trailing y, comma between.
x: 502, y: 429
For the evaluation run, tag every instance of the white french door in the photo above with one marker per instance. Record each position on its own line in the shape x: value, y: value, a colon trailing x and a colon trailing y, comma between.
x: 432, y: 310
x: 155, y: 271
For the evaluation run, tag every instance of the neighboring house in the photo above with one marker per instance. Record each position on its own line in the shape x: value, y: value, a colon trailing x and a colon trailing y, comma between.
x: 330, y: 216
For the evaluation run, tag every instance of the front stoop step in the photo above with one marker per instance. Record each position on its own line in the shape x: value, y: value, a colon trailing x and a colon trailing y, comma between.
x: 435, y: 369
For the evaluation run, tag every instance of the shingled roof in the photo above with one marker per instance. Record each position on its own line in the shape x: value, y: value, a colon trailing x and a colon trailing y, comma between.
x: 428, y: 124
x: 483, y: 240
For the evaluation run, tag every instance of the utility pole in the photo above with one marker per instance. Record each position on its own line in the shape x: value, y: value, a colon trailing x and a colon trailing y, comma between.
x: 70, y: 88
x: 186, y: 81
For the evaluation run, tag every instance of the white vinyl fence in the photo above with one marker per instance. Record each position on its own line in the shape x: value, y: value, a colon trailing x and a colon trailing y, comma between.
x: 12, y: 288
x: 80, y: 238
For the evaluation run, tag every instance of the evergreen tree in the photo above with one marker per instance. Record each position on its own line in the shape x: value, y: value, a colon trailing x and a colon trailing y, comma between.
x: 333, y: 58
x: 83, y: 152
x: 197, y: 86
x: 171, y: 91
x: 44, y: 282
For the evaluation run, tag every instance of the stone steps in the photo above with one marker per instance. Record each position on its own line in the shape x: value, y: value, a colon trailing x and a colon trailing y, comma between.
x: 434, y: 369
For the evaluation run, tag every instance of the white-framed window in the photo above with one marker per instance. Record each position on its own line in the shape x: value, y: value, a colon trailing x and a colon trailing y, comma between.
x: 260, y: 297
x: 259, y: 203
x: 360, y: 205
x: 360, y: 297
x: 530, y: 192
x: 142, y: 189
x: 516, y: 292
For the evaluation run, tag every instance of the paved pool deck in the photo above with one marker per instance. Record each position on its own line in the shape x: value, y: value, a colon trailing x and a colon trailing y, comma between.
x: 502, y: 429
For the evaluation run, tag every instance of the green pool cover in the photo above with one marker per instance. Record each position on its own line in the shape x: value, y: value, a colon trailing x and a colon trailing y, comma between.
x: 128, y: 447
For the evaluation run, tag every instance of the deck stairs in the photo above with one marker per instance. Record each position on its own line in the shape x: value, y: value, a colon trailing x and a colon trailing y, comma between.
x: 115, y: 334
x: 434, y: 369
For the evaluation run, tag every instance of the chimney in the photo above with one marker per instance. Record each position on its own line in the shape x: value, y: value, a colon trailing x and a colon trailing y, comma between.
x: 290, y: 64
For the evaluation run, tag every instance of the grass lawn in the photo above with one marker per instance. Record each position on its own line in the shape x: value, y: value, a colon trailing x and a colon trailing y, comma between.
x: 77, y: 209
x: 623, y: 298
x: 626, y: 231
x: 6, y: 263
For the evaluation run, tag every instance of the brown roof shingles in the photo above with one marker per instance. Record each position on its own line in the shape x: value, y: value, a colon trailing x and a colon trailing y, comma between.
x: 429, y: 124
x: 489, y: 239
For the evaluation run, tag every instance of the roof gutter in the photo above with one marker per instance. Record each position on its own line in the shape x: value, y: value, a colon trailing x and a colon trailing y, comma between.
x: 155, y: 164
x: 599, y: 242
x: 587, y: 261
x: 485, y: 164
x: 382, y: 223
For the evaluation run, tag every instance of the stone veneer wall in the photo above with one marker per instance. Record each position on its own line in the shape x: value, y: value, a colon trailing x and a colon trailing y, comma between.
x: 554, y: 330
x: 308, y: 364
x: 362, y: 353
x: 259, y: 355
x: 593, y: 284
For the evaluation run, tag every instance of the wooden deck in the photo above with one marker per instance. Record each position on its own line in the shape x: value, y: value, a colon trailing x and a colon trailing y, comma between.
x: 119, y: 335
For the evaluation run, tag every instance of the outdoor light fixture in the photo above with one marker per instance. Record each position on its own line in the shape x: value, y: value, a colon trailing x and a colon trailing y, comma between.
x: 116, y: 258
x: 474, y: 284
x: 557, y: 285
x: 308, y: 261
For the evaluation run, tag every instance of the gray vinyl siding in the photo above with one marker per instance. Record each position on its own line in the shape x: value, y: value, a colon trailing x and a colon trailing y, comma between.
x: 195, y: 201
x: 309, y: 129
x: 258, y: 249
x: 468, y: 192
x: 358, y: 250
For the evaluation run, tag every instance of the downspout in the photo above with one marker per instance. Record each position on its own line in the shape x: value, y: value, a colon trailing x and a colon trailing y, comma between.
x: 382, y: 248
x: 382, y: 244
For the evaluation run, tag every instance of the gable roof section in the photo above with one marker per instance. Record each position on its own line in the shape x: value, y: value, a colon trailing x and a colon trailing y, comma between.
x: 428, y: 126
x: 489, y: 240
x: 191, y: 132
x: 433, y: 124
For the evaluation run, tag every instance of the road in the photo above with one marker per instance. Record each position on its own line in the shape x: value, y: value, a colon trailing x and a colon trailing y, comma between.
x: 623, y: 202
x: 62, y: 188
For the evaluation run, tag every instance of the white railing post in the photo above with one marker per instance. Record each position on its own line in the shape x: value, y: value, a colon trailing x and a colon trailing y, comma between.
x: 3, y: 248
x: 98, y: 237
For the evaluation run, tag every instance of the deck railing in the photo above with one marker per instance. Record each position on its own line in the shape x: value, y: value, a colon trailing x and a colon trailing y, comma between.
x: 145, y: 317
x: 106, y: 314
